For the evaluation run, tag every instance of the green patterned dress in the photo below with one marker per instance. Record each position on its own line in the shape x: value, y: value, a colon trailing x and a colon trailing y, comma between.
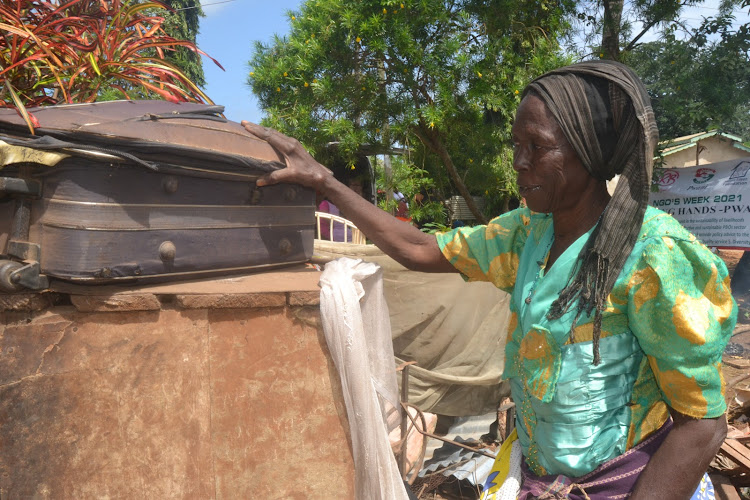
x: 667, y: 321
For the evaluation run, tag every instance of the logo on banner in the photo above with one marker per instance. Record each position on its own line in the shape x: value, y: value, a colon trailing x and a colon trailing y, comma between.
x: 667, y: 178
x: 711, y: 201
x: 703, y: 175
x: 739, y: 175
x: 740, y: 170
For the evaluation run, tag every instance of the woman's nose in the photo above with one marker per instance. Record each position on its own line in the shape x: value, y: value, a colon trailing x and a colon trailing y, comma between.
x: 520, y: 158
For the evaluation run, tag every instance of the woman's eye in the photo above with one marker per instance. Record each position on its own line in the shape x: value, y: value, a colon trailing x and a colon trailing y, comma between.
x: 530, y: 145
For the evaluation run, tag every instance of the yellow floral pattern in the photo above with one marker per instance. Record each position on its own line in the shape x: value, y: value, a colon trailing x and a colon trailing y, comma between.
x: 540, y: 359
x: 489, y: 253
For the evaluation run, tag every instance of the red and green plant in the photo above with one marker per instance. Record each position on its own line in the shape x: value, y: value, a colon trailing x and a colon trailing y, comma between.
x: 70, y: 51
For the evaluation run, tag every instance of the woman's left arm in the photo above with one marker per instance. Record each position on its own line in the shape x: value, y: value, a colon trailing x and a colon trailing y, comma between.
x: 675, y: 470
x: 682, y: 311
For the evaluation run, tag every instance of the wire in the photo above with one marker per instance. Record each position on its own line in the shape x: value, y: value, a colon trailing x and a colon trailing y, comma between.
x: 204, y: 5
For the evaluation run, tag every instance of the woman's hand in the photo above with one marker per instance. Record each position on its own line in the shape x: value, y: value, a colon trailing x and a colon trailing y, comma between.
x: 301, y: 168
x: 403, y: 242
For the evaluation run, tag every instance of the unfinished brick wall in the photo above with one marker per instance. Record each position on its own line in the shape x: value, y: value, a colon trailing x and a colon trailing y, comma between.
x: 216, y: 389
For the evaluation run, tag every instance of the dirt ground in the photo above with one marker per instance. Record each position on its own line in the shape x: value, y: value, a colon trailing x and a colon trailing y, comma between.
x: 731, y: 257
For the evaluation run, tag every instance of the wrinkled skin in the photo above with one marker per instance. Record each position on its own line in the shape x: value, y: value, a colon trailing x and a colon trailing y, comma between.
x: 547, y: 166
x: 402, y: 241
x: 551, y: 177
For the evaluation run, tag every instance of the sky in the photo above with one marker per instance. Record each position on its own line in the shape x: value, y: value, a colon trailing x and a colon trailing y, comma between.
x: 231, y: 27
x: 228, y: 34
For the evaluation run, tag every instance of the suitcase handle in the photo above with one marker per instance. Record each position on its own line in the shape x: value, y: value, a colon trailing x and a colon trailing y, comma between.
x: 214, y: 113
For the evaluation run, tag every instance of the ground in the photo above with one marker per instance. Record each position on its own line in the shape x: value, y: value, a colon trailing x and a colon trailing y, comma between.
x: 731, y: 257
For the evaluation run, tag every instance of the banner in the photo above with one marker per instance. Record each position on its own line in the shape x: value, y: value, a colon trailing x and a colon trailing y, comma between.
x: 712, y: 201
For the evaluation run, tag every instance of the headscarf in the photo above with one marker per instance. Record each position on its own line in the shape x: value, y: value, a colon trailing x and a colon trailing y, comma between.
x: 605, y: 113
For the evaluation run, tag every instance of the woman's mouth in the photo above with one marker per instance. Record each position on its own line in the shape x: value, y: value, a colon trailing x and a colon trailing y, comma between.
x: 526, y: 190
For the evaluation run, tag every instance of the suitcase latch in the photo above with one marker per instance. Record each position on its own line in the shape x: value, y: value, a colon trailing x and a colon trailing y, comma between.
x: 15, y: 275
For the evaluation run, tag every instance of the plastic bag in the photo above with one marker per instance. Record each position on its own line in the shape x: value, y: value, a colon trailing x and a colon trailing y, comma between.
x: 358, y: 333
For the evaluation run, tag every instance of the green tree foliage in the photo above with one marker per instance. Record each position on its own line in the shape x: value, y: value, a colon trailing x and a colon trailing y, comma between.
x: 700, y: 83
x: 414, y: 183
x: 183, y: 23
x: 698, y: 75
x: 439, y: 78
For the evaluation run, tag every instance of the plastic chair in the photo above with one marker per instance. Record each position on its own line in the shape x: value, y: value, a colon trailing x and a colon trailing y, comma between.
x: 357, y: 237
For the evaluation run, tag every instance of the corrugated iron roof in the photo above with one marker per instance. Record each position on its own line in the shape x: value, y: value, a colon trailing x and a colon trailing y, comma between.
x: 460, y: 463
x: 688, y: 141
x: 459, y: 210
x: 452, y: 461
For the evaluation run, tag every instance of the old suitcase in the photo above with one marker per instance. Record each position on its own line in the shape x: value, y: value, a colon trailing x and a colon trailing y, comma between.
x: 136, y: 190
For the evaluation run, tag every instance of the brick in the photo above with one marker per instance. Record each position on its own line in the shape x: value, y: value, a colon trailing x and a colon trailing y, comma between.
x: 28, y: 301
x: 122, y: 302
x: 231, y: 301
x: 304, y: 298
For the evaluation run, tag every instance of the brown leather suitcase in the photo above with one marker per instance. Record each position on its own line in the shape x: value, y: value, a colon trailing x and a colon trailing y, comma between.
x: 127, y: 191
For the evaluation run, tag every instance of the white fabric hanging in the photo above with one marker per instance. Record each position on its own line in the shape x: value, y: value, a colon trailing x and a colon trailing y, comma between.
x: 358, y: 333
x: 455, y: 331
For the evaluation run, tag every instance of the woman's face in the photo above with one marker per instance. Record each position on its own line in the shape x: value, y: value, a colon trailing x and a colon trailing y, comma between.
x: 357, y: 186
x: 550, y: 175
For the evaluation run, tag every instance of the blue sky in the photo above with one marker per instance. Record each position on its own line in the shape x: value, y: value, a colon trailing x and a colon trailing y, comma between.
x: 228, y: 33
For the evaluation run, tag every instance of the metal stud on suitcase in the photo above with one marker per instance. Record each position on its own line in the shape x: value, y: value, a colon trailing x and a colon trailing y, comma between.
x: 141, y: 190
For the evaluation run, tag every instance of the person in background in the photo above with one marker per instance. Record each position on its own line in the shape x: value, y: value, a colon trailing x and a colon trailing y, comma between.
x: 339, y: 232
x: 402, y: 207
x: 325, y: 224
x: 619, y: 316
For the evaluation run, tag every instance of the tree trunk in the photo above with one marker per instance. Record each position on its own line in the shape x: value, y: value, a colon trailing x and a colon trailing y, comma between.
x: 387, y: 140
x: 388, y: 182
x: 435, y: 144
x: 611, y: 29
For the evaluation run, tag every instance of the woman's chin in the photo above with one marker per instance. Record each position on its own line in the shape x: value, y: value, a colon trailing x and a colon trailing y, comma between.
x: 540, y: 206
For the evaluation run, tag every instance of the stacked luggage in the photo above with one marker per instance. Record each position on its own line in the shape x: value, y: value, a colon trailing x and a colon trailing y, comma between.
x: 127, y: 191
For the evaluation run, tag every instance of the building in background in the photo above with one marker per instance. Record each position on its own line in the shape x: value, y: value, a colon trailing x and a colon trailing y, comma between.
x: 702, y: 148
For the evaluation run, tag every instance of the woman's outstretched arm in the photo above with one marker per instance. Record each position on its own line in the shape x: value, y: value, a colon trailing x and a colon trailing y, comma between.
x: 403, y: 242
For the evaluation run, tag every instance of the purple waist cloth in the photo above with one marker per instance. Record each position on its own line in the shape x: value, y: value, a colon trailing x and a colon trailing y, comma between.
x: 613, y: 479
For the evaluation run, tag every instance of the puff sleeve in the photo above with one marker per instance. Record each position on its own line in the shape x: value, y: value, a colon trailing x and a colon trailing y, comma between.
x: 489, y: 253
x: 681, y: 310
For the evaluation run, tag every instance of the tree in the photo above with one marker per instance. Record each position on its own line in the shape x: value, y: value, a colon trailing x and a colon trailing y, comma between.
x: 698, y: 76
x: 414, y: 183
x: 605, y: 28
x: 71, y: 51
x: 701, y: 83
x: 438, y: 77
x: 183, y: 23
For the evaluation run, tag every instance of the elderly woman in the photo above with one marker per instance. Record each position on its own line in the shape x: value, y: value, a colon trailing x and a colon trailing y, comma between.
x: 619, y: 315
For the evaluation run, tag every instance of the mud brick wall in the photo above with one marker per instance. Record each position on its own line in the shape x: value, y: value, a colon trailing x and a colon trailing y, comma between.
x: 219, y: 389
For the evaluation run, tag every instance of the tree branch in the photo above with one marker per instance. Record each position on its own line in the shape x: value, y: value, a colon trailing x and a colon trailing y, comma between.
x: 433, y: 142
x: 632, y: 43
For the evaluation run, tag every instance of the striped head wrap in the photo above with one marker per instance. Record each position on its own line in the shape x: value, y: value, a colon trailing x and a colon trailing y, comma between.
x: 605, y: 113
